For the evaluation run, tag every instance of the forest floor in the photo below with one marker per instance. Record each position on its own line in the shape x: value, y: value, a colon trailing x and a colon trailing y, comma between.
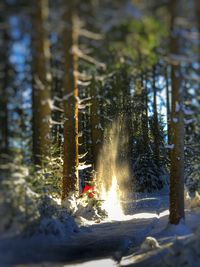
x: 109, y: 243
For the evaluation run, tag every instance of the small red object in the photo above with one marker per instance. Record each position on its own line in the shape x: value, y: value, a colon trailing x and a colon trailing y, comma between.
x: 88, y: 189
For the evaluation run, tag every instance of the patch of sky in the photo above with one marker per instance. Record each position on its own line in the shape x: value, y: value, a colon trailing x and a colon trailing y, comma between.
x: 161, y: 102
x: 196, y: 65
x: 15, y: 29
x: 19, y: 57
x: 27, y: 100
x: 54, y: 38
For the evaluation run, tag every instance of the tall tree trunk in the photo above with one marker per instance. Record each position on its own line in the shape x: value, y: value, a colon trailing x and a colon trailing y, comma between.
x: 141, y: 122
x: 129, y: 128
x: 57, y: 94
x: 3, y: 91
x: 41, y: 90
x: 71, y: 182
x: 177, y: 131
x: 168, y: 110
x: 145, y: 128
x: 197, y: 9
x: 155, y: 121
x: 96, y: 126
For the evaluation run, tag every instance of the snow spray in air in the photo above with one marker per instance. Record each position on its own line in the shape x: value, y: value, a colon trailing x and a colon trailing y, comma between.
x: 113, y: 169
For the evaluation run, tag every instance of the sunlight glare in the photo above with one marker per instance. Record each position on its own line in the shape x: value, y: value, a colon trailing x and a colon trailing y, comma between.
x: 112, y: 203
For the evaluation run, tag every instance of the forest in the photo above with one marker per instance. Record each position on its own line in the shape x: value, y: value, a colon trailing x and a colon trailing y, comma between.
x: 99, y: 133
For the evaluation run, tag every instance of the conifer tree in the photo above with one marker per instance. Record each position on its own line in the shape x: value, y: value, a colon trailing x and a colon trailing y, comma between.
x: 41, y: 91
x: 176, y: 130
x: 70, y: 43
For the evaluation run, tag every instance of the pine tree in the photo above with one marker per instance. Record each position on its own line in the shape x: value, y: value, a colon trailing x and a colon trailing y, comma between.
x: 96, y: 123
x: 176, y: 130
x: 156, y: 130
x: 70, y: 42
x: 3, y: 89
x: 41, y: 90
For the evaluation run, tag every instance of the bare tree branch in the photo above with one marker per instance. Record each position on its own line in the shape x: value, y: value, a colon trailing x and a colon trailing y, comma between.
x: 90, y: 59
x: 90, y: 35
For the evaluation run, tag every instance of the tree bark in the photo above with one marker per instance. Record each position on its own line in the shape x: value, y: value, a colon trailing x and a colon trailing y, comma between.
x: 96, y: 126
x: 197, y: 9
x: 167, y: 104
x: 176, y: 131
x: 145, y: 128
x: 71, y: 182
x: 3, y: 92
x: 41, y: 91
x: 155, y: 121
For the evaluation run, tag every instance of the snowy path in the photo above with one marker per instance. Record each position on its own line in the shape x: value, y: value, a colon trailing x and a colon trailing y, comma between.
x: 104, y: 240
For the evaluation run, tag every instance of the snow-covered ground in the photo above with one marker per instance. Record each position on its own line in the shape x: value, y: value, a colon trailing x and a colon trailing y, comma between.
x: 109, y: 243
